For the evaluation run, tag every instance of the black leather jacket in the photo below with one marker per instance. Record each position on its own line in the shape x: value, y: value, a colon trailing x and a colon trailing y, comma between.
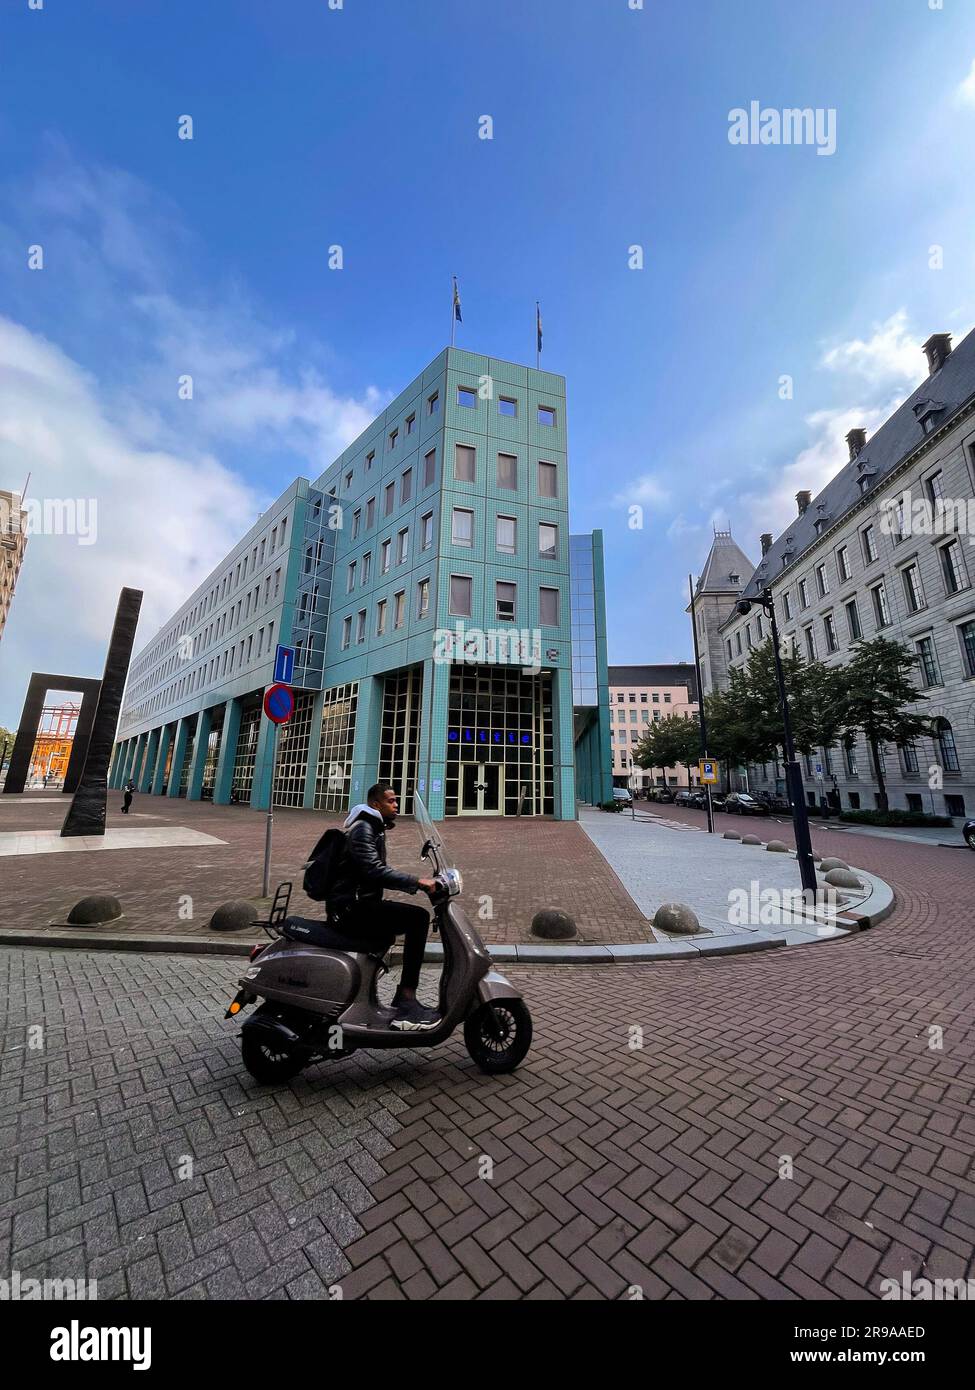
x: 364, y: 872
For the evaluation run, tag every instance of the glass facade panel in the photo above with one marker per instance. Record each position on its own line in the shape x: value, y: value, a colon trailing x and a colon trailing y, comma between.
x: 334, y: 781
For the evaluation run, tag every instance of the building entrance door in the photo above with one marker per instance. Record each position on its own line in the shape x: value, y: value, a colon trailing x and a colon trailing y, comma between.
x: 483, y: 789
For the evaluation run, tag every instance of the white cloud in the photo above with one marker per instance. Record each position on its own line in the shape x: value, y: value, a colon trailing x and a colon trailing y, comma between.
x: 890, y: 355
x: 965, y: 91
x: 646, y: 489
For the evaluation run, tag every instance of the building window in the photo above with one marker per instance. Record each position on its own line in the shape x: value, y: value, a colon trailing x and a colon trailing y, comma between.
x: 934, y: 487
x: 462, y: 526
x: 843, y: 562
x: 433, y: 403
x: 748, y: 636
x: 467, y: 397
x: 822, y: 580
x: 389, y: 498
x: 930, y: 675
x: 952, y: 567
x: 360, y: 626
x: 738, y: 643
x: 346, y: 632
x: 384, y: 554
x: 880, y: 606
x: 853, y: 621
x: 548, y: 480
x: 465, y: 459
x: 787, y: 607
x: 381, y: 618
x: 348, y: 479
x: 356, y: 519
x: 546, y: 416
x: 426, y: 531
x: 507, y: 406
x: 460, y: 595
x: 851, y: 762
x: 507, y: 471
x: 399, y: 607
x: 548, y: 540
x: 912, y: 588
x: 548, y: 608
x: 504, y: 600
x: 366, y: 567
x: 429, y: 467
x: 350, y: 578
x: 402, y: 545
x: 730, y: 652
x: 869, y: 542
x: 410, y: 424
x: 909, y: 757
x: 370, y: 459
x: 423, y: 598
x: 393, y: 437
x: 505, y: 535
x: 946, y: 746
x: 810, y: 644
x: 370, y: 512
x: 803, y: 594
x: 406, y: 486
x: 830, y: 631
x: 966, y: 635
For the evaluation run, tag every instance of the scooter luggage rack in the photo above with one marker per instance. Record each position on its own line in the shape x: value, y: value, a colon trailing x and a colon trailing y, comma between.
x: 279, y: 911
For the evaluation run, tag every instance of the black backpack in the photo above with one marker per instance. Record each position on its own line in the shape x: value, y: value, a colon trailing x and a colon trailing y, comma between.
x: 322, y: 869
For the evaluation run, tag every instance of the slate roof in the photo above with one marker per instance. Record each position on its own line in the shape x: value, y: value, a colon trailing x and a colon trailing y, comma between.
x: 950, y: 387
x: 725, y: 558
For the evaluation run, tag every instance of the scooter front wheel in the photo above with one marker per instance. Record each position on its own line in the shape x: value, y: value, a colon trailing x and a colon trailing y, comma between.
x: 499, y: 1034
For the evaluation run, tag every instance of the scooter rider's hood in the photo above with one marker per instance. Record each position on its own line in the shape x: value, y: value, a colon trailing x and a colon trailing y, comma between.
x: 363, y: 808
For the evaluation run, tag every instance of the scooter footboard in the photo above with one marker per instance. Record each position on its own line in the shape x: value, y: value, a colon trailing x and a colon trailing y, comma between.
x: 494, y: 986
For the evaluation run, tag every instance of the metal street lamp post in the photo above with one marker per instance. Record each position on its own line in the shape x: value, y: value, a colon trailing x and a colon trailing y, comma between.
x: 793, y: 773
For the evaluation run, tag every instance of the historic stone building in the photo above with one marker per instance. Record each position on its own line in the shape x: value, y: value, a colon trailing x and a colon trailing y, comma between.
x: 885, y: 549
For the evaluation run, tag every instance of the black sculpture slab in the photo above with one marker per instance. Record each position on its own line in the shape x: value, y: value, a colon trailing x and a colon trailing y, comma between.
x: 38, y: 686
x: 86, y: 814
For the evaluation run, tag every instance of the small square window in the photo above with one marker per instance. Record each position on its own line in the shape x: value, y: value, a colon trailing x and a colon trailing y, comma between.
x: 410, y: 424
x: 548, y: 483
x: 546, y: 416
x: 429, y: 467
x: 348, y: 480
x: 393, y: 436
x: 467, y: 396
x: 464, y: 463
x: 460, y: 595
x: 504, y: 602
x: 370, y: 459
x: 433, y: 403
x: 507, y: 406
x: 508, y: 471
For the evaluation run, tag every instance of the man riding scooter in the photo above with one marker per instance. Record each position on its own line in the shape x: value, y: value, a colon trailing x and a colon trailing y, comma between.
x: 356, y: 904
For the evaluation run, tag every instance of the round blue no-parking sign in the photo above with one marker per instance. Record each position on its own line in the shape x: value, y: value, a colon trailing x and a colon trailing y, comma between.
x: 279, y: 703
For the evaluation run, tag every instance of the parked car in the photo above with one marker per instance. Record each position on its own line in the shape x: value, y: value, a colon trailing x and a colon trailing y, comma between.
x: 690, y: 798
x: 774, y: 802
x: 741, y: 804
x: 718, y: 801
x: 968, y: 830
x: 622, y: 795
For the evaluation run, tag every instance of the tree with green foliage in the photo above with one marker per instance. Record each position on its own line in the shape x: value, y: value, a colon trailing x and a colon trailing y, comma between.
x: 876, y: 688
x: 667, y: 742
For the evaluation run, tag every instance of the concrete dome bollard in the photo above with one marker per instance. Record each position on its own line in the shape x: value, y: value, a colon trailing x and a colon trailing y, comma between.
x: 777, y: 847
x: 731, y: 835
x: 826, y: 864
x: 233, y: 916
x: 677, y: 918
x: 552, y: 924
x: 843, y: 878
x: 94, y: 910
x: 750, y: 840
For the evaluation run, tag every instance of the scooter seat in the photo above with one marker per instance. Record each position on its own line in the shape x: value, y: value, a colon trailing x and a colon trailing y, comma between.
x: 316, y: 933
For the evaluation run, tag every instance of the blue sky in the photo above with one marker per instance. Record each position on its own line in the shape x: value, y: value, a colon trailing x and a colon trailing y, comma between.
x: 359, y: 127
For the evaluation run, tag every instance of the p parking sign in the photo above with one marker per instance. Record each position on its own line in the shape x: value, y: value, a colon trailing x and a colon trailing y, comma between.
x: 708, y: 770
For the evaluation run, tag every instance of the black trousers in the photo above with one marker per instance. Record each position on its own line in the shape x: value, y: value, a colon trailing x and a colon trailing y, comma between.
x: 383, y: 921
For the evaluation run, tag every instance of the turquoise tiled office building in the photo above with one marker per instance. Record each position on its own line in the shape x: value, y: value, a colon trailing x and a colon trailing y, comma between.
x: 424, y: 583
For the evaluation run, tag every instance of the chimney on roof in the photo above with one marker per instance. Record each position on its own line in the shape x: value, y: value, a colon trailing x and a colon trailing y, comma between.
x: 936, y: 349
x: 803, y: 499
x: 856, y: 439
x: 766, y: 539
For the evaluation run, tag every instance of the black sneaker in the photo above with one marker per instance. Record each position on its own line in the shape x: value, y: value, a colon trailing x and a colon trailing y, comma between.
x: 413, y: 1017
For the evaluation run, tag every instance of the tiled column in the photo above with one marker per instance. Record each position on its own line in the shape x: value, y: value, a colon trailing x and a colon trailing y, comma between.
x: 314, y: 748
x: 129, y: 760
x: 148, y: 771
x: 204, y: 721
x: 179, y: 753
x: 116, y: 765
x: 139, y: 756
x: 165, y: 739
x: 261, y: 786
x: 433, y: 736
x: 368, y: 723
x: 228, y: 751
x: 563, y: 753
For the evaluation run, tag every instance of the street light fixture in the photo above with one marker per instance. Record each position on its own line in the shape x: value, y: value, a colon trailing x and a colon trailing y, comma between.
x: 793, y: 773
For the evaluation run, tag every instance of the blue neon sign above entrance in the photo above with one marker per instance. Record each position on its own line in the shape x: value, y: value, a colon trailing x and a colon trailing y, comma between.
x: 469, y: 735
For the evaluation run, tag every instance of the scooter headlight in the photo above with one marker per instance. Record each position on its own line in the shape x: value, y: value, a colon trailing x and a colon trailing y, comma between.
x: 455, y: 882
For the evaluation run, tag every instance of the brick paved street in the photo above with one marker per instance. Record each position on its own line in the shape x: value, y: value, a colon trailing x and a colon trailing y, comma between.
x: 613, y: 1166
x: 544, y: 864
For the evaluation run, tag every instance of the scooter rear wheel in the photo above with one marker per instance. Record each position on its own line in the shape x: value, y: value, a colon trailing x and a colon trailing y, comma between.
x: 499, y: 1034
x: 270, y: 1062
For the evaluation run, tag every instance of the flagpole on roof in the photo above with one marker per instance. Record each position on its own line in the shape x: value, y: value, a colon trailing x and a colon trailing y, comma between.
x: 538, y: 335
x: 453, y: 293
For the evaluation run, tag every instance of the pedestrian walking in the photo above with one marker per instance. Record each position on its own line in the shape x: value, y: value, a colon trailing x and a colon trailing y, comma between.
x: 127, y: 791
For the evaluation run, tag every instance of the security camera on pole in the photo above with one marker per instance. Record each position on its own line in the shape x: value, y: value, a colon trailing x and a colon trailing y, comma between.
x: 279, y: 706
x: 793, y: 773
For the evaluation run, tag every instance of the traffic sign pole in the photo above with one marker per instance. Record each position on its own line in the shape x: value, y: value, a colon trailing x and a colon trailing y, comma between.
x: 269, y: 828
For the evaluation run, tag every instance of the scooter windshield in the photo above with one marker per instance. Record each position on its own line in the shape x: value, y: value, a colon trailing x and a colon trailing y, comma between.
x: 429, y: 832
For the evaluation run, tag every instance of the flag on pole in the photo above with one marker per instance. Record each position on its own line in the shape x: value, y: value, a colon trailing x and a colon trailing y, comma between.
x: 457, y: 314
x: 538, y: 332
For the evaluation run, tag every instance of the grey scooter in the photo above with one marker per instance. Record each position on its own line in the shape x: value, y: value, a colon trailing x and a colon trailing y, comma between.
x: 319, y: 988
